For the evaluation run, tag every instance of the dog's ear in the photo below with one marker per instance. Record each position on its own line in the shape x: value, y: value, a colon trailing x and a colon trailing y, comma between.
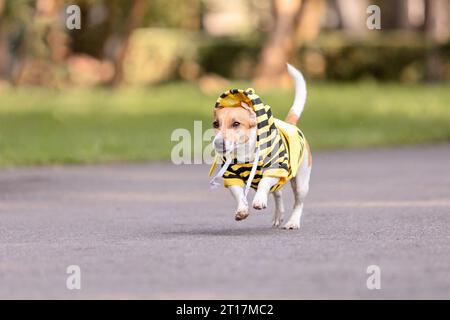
x: 251, y: 113
x: 245, y: 105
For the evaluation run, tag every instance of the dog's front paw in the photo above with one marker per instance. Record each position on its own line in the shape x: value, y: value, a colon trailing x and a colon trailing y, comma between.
x: 241, y: 214
x: 291, y: 225
x: 260, y: 201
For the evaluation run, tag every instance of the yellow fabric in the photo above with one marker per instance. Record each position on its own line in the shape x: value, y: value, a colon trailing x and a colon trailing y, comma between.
x: 295, y: 142
x: 213, y: 166
x: 233, y: 182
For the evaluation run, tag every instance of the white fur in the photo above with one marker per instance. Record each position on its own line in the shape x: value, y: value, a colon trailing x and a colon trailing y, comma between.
x: 300, y: 186
x: 279, y: 209
x: 242, y: 207
x: 300, y: 90
x: 264, y: 185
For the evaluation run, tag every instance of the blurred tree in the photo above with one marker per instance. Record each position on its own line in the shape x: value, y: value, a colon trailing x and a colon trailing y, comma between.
x: 39, y: 44
x: 437, y: 20
x: 280, y: 44
x: 352, y: 14
x: 133, y: 20
x: 4, y: 50
x: 402, y: 20
x: 15, y: 17
x: 437, y: 30
x: 185, y: 14
x: 310, y: 20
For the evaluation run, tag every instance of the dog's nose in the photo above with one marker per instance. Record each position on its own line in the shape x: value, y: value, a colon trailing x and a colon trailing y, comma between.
x: 219, y: 144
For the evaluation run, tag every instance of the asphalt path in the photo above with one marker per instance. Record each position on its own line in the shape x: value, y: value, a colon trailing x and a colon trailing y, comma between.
x: 157, y: 231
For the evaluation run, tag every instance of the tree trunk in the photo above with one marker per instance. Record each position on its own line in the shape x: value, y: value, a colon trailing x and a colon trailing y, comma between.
x: 437, y: 30
x: 309, y: 23
x: 401, y: 16
x: 134, y: 20
x: 4, y: 54
x: 280, y: 45
x: 353, y: 16
x: 437, y: 20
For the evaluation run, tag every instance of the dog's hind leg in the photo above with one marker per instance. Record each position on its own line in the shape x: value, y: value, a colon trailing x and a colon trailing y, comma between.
x: 279, y: 209
x: 300, y: 186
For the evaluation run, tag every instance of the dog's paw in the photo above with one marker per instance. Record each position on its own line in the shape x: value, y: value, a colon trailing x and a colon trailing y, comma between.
x: 276, y: 221
x: 241, y: 214
x: 260, y: 201
x: 291, y: 225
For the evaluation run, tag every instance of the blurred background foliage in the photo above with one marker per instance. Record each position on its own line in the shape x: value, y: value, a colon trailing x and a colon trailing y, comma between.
x: 146, y: 42
x: 115, y: 89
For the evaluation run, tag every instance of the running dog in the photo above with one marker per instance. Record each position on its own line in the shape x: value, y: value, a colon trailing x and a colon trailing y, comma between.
x: 261, y: 152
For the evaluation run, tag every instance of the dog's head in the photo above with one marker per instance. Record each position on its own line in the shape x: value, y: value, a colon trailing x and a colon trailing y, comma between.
x: 235, y: 128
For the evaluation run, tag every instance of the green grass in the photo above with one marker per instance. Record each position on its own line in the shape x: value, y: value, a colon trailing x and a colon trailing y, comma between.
x: 85, y: 126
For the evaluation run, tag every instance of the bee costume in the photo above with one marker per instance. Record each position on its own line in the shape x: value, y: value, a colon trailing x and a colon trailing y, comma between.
x: 279, y: 146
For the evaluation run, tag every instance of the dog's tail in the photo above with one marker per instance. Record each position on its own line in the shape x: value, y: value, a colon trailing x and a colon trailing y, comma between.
x: 300, y: 95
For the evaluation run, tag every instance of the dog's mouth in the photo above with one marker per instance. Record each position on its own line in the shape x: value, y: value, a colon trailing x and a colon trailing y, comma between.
x: 224, y: 150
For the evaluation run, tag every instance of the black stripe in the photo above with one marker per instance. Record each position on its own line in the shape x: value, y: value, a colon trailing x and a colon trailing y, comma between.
x: 265, y: 134
x: 272, y: 127
x: 278, y: 146
x: 235, y: 161
x: 266, y: 145
x: 231, y: 175
x: 273, y: 161
x: 257, y: 176
x: 262, y: 124
x: 271, y: 155
x: 260, y: 112
x: 269, y: 131
x: 245, y: 169
x: 234, y: 91
x: 269, y: 113
x: 283, y: 165
x: 217, y: 105
x: 256, y: 101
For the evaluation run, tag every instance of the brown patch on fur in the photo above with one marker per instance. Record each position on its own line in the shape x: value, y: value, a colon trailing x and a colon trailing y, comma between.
x: 291, y: 118
x: 309, y: 154
x: 241, y: 215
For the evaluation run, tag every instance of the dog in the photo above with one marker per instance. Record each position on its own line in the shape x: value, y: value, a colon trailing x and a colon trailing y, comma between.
x: 261, y: 152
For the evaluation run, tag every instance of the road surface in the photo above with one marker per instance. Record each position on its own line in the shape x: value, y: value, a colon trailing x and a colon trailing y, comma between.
x: 156, y: 231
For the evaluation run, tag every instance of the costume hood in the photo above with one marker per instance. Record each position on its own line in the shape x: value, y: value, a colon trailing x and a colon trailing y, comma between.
x: 266, y: 129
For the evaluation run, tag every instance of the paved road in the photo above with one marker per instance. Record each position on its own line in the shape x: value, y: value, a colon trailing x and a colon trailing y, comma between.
x: 157, y: 231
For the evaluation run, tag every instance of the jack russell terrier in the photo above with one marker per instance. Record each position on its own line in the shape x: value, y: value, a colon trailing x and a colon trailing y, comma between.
x: 261, y: 152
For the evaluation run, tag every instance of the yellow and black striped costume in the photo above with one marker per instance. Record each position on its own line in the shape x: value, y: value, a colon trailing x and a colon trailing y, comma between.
x: 281, y: 145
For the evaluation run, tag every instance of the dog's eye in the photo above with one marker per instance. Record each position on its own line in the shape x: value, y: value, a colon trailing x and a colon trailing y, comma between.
x: 216, y: 124
x: 236, y: 124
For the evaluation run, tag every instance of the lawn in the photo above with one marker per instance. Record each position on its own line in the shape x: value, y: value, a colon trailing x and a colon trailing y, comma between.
x: 86, y: 126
